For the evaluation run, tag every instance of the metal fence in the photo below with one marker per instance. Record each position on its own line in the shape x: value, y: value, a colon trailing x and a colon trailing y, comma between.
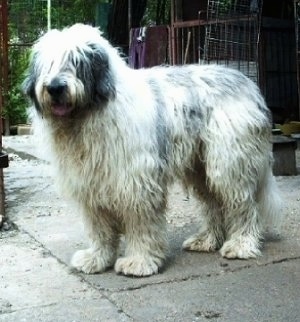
x: 232, y: 34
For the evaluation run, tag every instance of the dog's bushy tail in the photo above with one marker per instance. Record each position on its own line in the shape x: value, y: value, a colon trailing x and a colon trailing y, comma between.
x: 270, y: 204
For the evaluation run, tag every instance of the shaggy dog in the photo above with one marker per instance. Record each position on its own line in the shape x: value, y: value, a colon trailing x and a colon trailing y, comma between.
x: 120, y: 137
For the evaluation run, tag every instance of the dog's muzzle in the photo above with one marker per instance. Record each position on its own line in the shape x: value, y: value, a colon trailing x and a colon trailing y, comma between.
x: 56, y: 88
x: 58, y: 91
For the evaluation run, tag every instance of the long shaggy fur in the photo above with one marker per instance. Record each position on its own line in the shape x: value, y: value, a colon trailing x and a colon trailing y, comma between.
x: 120, y: 137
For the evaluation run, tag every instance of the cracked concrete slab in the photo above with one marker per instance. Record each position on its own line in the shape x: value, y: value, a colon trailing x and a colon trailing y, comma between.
x: 35, y: 286
x: 228, y: 297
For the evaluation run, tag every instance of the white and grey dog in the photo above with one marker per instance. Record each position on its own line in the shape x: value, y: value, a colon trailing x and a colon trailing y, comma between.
x: 120, y: 137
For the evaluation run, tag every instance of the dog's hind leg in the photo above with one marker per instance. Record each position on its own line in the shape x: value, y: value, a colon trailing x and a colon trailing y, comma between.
x: 146, y: 243
x: 243, y: 230
x: 235, y: 185
x: 242, y: 222
x: 270, y: 203
x: 210, y: 236
x: 104, y: 239
x: 246, y: 221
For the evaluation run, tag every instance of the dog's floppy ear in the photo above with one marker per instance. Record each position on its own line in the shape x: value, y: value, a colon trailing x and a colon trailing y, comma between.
x: 102, y: 74
x: 28, y: 85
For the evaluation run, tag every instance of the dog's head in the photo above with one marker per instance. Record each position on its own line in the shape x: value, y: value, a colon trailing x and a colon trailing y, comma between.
x: 70, y: 70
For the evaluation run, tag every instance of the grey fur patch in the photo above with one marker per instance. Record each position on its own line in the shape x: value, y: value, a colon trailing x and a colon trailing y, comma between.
x: 94, y: 70
x: 162, y: 131
x: 102, y: 74
x: 192, y: 109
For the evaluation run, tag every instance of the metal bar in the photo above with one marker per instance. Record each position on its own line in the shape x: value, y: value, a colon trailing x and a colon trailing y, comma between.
x: 129, y: 19
x: 3, y: 89
x: 297, y: 26
x: 48, y: 15
x: 4, y: 59
x: 187, y: 47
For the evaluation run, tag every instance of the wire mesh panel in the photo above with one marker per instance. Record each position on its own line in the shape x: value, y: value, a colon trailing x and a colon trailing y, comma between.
x: 232, y: 34
x: 187, y: 40
x: 187, y: 31
x: 27, y: 20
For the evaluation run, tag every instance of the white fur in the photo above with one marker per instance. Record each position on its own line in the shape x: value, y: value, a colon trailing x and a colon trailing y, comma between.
x: 207, y: 126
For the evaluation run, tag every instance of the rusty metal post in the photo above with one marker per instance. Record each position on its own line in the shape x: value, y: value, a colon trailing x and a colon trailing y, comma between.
x: 297, y: 30
x: 172, y: 35
x: 3, y: 93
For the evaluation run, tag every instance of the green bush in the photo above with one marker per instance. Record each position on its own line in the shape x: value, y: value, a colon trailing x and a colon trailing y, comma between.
x: 16, y: 103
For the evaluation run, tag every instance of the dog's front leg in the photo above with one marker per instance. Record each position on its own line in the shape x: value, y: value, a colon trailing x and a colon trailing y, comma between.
x: 103, y: 232
x: 146, y: 244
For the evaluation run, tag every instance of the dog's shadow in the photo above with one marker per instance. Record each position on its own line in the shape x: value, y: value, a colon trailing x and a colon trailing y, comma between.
x: 183, y: 265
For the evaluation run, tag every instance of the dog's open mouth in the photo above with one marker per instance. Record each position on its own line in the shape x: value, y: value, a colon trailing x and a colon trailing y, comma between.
x: 61, y: 109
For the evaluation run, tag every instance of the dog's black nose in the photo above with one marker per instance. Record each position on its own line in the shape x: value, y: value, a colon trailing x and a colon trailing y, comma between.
x: 56, y: 87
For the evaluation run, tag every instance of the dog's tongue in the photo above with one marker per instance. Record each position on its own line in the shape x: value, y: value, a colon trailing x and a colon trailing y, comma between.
x: 61, y: 109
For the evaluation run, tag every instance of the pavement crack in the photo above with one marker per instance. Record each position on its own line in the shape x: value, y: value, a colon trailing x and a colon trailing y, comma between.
x: 282, y: 260
x: 193, y: 276
x: 10, y: 311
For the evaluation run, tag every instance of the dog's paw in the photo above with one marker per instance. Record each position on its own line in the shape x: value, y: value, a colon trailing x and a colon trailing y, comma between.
x: 243, y: 247
x: 201, y: 243
x: 90, y: 261
x: 137, y: 265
